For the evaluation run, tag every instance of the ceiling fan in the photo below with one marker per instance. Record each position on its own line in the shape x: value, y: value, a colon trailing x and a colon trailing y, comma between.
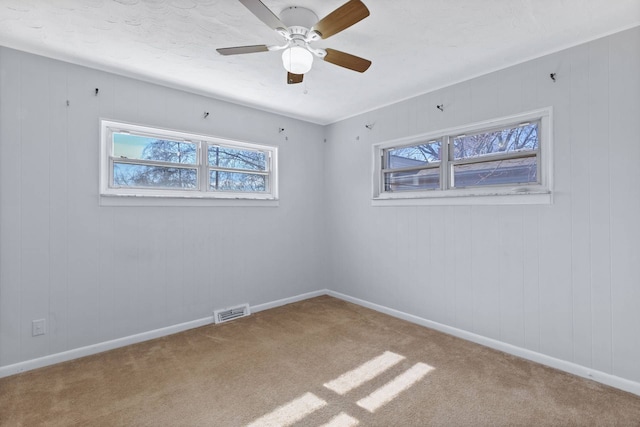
x: 300, y: 27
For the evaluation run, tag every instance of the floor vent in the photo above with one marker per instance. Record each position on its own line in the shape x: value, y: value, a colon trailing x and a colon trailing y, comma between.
x: 221, y: 316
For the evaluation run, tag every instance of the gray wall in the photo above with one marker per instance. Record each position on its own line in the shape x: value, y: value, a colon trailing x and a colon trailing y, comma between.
x: 98, y: 273
x: 563, y: 279
x: 560, y: 280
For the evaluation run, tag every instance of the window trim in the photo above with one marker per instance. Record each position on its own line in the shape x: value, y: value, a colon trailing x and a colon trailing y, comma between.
x: 540, y: 193
x: 110, y: 195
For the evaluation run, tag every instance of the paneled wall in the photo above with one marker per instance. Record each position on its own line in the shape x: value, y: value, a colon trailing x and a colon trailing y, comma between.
x: 562, y: 280
x: 98, y: 273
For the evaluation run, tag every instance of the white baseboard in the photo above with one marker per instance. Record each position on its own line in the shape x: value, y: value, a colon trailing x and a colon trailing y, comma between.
x: 76, y: 353
x: 570, y: 367
x: 562, y: 365
x: 284, y: 301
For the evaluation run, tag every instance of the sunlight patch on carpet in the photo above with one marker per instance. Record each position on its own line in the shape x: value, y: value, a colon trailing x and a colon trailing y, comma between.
x: 291, y: 412
x: 365, y: 372
x: 392, y: 389
x: 342, y: 420
x: 303, y: 406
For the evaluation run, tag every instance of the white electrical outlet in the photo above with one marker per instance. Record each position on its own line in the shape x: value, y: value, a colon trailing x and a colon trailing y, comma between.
x: 38, y: 327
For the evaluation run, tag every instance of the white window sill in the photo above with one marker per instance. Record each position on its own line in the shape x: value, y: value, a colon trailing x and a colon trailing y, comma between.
x: 131, y: 200
x: 454, y: 198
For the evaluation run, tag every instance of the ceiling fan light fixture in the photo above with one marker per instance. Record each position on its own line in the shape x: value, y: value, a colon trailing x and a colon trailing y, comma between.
x: 297, y: 60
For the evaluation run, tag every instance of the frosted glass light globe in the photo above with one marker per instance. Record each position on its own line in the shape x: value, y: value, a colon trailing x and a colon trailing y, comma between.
x: 297, y: 60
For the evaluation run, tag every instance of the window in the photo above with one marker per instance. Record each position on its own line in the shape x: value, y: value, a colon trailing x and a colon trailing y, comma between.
x: 412, y: 168
x: 509, y: 156
x: 143, y: 161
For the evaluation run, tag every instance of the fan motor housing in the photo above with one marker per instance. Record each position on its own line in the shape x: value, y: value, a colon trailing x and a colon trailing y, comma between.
x: 295, y: 16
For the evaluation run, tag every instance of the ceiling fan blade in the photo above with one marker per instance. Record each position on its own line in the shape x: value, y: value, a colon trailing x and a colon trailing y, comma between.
x: 347, y: 60
x: 294, y: 78
x: 243, y: 49
x: 343, y: 17
x: 263, y: 13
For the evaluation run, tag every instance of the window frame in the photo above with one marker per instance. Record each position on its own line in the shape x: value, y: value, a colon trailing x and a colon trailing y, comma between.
x: 202, y: 192
x: 529, y: 193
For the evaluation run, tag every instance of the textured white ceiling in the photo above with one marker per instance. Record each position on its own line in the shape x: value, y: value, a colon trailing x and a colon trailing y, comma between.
x: 415, y: 45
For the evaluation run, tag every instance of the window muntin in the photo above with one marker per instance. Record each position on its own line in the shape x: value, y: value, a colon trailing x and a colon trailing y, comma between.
x: 511, y: 155
x: 142, y: 161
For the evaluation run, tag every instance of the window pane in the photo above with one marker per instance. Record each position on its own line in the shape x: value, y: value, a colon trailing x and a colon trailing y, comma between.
x: 519, y: 138
x: 128, y: 175
x: 500, y: 172
x: 416, y: 155
x: 236, y: 181
x: 237, y: 159
x: 425, y: 179
x: 145, y: 148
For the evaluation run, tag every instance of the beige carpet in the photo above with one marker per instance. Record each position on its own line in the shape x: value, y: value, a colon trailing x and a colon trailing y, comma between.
x: 316, y: 362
